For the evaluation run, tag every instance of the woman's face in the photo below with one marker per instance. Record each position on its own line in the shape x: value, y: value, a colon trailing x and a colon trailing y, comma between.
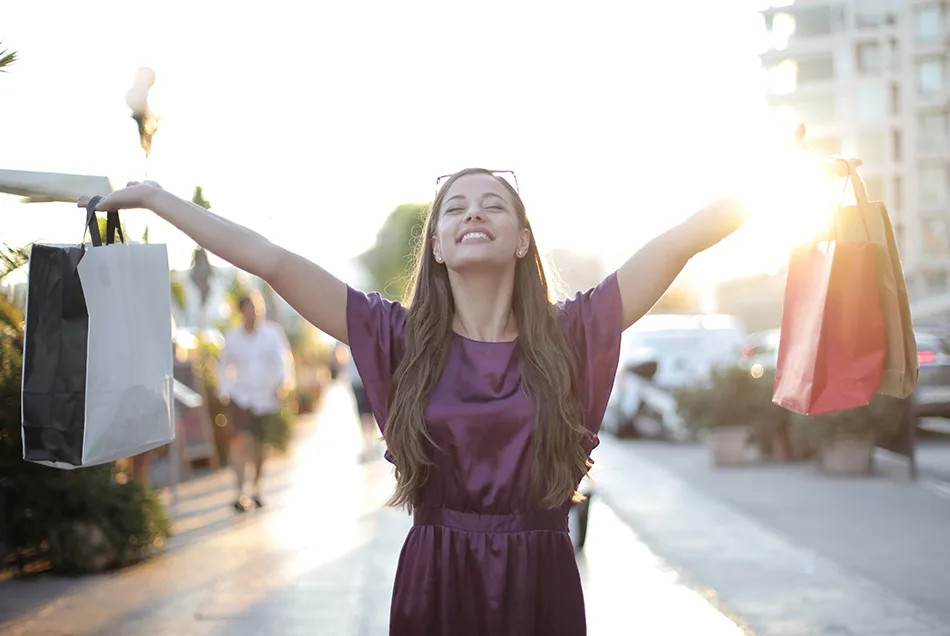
x: 478, y: 225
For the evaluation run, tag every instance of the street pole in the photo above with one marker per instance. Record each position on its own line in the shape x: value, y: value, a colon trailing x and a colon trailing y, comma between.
x: 146, y: 121
x: 145, y: 118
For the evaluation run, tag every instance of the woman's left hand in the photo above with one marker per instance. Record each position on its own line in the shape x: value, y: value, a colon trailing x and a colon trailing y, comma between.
x: 837, y: 166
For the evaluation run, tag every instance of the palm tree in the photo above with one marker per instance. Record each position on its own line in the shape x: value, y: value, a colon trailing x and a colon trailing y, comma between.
x: 11, y: 259
x: 7, y: 58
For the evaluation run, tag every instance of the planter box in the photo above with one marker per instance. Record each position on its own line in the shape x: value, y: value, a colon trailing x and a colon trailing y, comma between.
x: 81, y: 546
x: 729, y: 445
x: 846, y: 456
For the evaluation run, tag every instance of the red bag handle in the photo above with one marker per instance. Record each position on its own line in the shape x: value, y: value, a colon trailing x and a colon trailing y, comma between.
x: 860, y: 196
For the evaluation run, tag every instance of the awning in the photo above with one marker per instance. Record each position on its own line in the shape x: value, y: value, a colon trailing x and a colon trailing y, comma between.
x: 44, y: 187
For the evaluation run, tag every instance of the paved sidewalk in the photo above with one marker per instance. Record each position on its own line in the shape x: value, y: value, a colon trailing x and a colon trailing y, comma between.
x: 320, y: 559
x: 788, y: 550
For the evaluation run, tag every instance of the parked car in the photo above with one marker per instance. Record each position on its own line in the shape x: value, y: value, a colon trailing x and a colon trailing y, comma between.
x: 625, y: 407
x: 761, y: 348
x: 682, y: 348
x: 932, y: 396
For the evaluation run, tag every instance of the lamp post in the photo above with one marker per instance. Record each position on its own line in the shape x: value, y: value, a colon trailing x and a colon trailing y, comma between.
x: 147, y: 122
x: 201, y: 271
x: 145, y: 118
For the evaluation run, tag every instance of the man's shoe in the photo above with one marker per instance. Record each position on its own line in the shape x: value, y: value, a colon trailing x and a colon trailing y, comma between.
x: 243, y: 504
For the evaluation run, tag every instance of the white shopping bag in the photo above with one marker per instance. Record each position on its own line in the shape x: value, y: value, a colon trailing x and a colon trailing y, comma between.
x: 97, y: 355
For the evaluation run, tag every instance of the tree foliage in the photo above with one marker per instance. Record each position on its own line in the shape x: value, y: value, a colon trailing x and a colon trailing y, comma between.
x: 198, y: 198
x: 390, y: 260
x: 7, y: 58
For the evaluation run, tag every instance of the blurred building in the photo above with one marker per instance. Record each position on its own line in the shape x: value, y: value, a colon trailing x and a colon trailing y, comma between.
x: 220, y: 304
x: 191, y: 314
x: 869, y: 79
x: 755, y: 300
x: 15, y: 293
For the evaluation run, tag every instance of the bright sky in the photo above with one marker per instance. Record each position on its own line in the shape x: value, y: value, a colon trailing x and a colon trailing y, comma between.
x: 311, y: 124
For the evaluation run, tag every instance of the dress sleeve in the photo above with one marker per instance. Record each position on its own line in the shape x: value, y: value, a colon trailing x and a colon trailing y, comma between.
x: 592, y: 323
x: 376, y: 333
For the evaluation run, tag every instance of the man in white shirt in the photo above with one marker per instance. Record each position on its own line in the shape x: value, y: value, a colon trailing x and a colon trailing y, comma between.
x: 254, y: 375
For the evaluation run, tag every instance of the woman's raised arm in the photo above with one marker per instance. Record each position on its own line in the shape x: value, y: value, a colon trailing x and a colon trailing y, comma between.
x: 316, y: 294
x: 646, y: 276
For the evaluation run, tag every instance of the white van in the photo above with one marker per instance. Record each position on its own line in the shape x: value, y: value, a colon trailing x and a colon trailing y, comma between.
x: 685, y: 347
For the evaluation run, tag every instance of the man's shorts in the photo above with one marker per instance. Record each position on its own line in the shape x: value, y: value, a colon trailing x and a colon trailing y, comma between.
x: 244, y: 420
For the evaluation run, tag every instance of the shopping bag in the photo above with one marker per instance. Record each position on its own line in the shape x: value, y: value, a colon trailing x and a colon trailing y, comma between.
x: 97, y: 354
x: 832, y: 348
x: 870, y: 218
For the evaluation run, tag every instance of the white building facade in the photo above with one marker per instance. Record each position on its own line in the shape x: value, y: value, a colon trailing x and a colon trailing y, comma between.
x: 869, y: 79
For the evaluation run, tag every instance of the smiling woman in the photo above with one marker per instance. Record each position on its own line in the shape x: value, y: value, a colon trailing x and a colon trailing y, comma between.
x: 479, y: 223
x: 489, y: 396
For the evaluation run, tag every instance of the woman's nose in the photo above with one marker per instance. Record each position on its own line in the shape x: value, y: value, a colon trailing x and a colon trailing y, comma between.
x: 474, y: 214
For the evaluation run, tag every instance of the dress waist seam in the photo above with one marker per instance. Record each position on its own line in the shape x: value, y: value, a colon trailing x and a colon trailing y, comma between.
x: 551, y: 520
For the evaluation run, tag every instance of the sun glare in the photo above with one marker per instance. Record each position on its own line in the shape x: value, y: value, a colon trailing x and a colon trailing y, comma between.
x: 792, y: 200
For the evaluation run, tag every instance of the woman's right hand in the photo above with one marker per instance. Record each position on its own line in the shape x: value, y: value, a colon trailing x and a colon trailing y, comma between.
x: 136, y: 195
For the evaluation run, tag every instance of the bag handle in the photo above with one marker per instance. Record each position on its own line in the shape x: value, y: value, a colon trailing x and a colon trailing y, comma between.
x: 113, y: 227
x: 860, y: 197
x: 857, y: 184
x: 92, y: 224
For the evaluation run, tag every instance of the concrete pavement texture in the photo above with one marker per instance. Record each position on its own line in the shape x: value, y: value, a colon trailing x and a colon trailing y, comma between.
x: 790, y: 551
x: 320, y: 559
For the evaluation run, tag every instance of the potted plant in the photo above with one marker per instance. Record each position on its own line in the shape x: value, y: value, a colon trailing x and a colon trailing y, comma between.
x: 734, y: 413
x: 844, y: 441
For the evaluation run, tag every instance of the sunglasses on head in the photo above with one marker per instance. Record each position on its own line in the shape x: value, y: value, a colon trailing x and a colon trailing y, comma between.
x: 508, y: 175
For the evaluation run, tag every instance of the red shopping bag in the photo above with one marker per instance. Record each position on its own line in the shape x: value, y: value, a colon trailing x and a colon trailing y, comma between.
x: 831, y: 352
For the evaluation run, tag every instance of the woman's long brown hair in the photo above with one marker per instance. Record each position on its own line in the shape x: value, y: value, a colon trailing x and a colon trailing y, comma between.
x: 548, y: 361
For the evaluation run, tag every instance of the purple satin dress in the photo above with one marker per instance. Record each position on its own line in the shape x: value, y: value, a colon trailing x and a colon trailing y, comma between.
x: 479, y: 559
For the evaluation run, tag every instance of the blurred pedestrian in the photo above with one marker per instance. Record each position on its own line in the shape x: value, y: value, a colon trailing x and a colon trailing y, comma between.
x: 141, y: 468
x: 364, y: 409
x: 334, y: 363
x: 255, y: 374
x: 489, y: 395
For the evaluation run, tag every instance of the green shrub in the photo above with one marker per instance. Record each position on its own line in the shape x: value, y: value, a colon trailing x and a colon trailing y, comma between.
x: 83, y: 519
x: 882, y: 417
x: 731, y: 396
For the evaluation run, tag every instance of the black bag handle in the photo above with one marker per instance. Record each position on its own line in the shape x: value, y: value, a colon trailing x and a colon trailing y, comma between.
x: 92, y: 225
x: 113, y: 227
x: 112, y: 224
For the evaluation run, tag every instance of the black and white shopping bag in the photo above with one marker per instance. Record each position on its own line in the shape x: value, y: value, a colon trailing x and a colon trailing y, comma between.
x: 97, y: 353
